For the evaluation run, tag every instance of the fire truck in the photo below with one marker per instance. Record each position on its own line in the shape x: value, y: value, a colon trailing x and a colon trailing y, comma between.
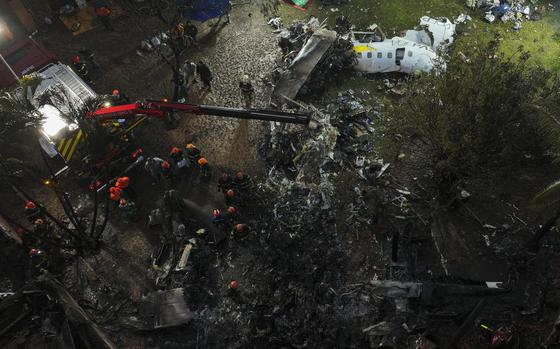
x: 109, y: 141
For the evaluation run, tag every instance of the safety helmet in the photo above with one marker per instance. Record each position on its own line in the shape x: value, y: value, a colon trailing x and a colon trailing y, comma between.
x: 175, y: 150
x: 233, y: 284
x: 33, y: 251
x: 190, y: 146
x: 215, y: 212
x: 202, y: 161
x: 115, y: 92
x: 230, y: 193
x: 239, y: 227
x: 76, y: 59
x: 231, y: 210
x: 165, y: 165
x: 122, y: 202
x: 115, y: 193
x: 39, y: 221
x: 239, y: 175
x: 122, y: 182
x: 30, y: 205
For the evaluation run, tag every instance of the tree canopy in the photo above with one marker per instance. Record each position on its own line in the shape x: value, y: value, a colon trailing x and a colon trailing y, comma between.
x: 483, y: 114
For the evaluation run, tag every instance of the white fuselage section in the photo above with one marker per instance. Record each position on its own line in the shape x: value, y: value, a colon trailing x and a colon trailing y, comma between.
x: 395, y: 55
x: 416, y: 51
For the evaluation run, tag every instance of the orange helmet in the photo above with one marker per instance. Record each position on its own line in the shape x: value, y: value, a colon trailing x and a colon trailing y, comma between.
x: 230, y: 193
x: 190, y: 146
x: 202, y: 161
x: 76, y: 59
x: 165, y: 165
x: 115, y: 92
x: 215, y: 212
x: 231, y: 210
x: 239, y: 175
x: 175, y: 150
x: 122, y: 182
x: 30, y: 205
x: 239, y: 227
x: 115, y: 193
x: 39, y: 221
x: 233, y: 285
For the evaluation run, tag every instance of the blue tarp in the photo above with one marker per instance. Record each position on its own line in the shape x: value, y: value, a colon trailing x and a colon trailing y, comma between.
x: 203, y: 10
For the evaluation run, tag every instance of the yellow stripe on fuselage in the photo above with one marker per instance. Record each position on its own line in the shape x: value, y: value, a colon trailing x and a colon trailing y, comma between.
x: 363, y: 48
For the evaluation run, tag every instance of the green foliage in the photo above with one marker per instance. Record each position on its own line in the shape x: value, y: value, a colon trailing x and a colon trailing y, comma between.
x: 16, y: 114
x: 480, y: 115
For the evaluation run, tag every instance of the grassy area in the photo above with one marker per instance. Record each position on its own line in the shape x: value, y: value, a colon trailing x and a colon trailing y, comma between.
x: 540, y: 38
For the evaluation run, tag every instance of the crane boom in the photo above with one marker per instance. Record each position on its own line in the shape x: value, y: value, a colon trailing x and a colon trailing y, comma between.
x: 159, y: 109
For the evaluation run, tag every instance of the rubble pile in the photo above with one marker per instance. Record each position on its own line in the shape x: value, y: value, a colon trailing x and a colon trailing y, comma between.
x: 297, y: 44
x: 515, y: 11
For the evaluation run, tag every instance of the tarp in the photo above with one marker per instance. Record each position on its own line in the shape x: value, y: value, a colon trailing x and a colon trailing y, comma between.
x: 203, y: 10
x: 300, y: 3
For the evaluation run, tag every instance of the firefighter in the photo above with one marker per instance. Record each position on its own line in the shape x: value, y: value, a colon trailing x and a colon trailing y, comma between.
x: 189, y: 71
x: 204, y: 168
x: 154, y: 166
x: 239, y: 231
x: 38, y: 260
x: 218, y: 219
x: 241, y: 181
x: 115, y: 194
x: 205, y: 75
x: 193, y: 154
x: 119, y: 98
x: 41, y: 229
x: 180, y: 90
x: 81, y: 69
x: 231, y: 214
x: 128, y: 209
x: 32, y: 212
x: 247, y: 91
x: 103, y: 12
x: 178, y: 157
x: 166, y: 171
x: 231, y: 198
x: 124, y: 184
x: 89, y: 56
x: 225, y: 183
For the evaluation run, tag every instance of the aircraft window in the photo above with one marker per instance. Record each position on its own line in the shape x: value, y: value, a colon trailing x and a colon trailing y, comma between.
x: 390, y: 55
x: 369, y: 55
x: 379, y: 55
x: 409, y: 53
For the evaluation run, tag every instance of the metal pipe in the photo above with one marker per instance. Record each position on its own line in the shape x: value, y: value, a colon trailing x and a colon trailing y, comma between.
x: 9, y: 68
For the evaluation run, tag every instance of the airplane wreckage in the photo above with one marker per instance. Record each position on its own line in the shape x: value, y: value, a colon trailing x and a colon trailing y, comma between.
x: 371, y: 52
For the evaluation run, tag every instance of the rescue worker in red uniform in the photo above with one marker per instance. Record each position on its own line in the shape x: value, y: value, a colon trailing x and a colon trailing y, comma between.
x: 225, y: 183
x: 82, y: 69
x: 103, y: 12
x: 32, y: 212
x: 193, y: 154
x: 241, y: 181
